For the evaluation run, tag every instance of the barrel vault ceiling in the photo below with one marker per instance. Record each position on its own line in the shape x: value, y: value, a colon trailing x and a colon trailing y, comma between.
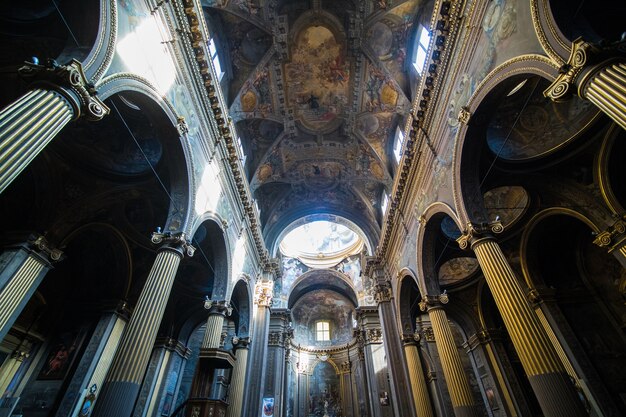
x: 316, y: 90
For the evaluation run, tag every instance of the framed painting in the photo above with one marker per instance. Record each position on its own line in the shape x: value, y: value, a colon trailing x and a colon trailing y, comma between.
x: 62, y: 355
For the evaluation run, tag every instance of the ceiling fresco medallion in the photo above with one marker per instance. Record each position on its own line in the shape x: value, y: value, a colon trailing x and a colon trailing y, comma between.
x: 318, y: 78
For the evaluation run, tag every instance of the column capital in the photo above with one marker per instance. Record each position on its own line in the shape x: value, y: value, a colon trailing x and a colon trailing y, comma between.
x: 411, y: 339
x: 241, y: 343
x: 44, y: 249
x: 475, y: 233
x: 70, y: 81
x: 263, y: 293
x: 218, y: 307
x: 572, y: 75
x: 431, y: 302
x: 614, y: 236
x: 383, y: 292
x: 20, y: 355
x: 175, y: 241
x: 373, y: 336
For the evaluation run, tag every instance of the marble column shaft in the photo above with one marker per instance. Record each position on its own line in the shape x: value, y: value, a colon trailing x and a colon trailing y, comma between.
x: 237, y: 381
x: 122, y: 383
x: 421, y: 397
x: 556, y: 394
x: 258, y: 350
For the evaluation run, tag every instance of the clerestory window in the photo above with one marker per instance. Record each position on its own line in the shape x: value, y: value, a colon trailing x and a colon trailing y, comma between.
x: 322, y: 331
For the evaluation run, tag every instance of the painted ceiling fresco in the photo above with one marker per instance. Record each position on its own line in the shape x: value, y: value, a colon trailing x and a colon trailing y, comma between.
x: 316, y: 90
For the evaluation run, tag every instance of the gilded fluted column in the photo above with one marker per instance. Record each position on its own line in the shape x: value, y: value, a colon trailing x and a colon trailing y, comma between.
x: 123, y: 381
x: 238, y: 378
x: 597, y: 74
x: 218, y: 310
x: 21, y: 277
x: 556, y: 394
x: 458, y: 385
x: 399, y: 377
x: 61, y: 93
x: 421, y: 398
x: 258, y: 349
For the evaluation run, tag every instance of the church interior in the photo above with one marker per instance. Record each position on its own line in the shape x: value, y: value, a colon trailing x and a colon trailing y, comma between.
x: 313, y: 208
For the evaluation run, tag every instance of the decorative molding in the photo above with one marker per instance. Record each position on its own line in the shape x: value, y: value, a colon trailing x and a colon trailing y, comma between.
x: 383, y: 292
x: 464, y: 115
x: 176, y: 240
x: 45, y: 249
x: 373, y: 336
x: 429, y: 302
x: 563, y: 86
x: 71, y: 82
x: 221, y: 307
x: 475, y: 232
x: 222, y: 124
x: 263, y: 294
x: 614, y: 236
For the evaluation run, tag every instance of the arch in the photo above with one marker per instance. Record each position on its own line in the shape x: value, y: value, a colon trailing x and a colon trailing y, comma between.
x: 430, y: 222
x: 109, y: 229
x: 183, y: 182
x: 614, y: 138
x: 241, y: 298
x: 311, y: 280
x: 275, y: 233
x: 552, y: 40
x: 468, y: 199
x: 405, y: 300
x: 211, y: 242
x: 99, y: 59
x: 534, y: 222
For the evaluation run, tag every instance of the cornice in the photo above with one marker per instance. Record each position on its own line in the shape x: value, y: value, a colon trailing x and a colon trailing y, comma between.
x: 446, y: 21
x: 224, y: 130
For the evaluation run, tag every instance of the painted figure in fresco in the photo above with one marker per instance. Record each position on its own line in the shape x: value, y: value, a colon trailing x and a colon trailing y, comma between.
x: 313, y: 102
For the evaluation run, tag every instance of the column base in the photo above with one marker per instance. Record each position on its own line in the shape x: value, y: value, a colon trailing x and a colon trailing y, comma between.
x: 557, y: 396
x: 117, y: 399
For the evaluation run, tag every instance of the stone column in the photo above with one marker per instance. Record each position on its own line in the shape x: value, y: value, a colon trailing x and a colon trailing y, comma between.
x: 399, y: 376
x: 279, y: 339
x: 347, y: 396
x: 596, y: 73
x: 218, y: 310
x: 421, y: 398
x: 458, y: 386
x: 11, y: 366
x: 260, y: 333
x: 375, y: 363
x: 96, y: 359
x: 556, y: 394
x: 237, y: 381
x: 25, y: 267
x: 61, y: 94
x: 123, y: 380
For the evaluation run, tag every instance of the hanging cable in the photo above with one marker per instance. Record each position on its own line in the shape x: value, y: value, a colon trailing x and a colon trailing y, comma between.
x: 66, y: 24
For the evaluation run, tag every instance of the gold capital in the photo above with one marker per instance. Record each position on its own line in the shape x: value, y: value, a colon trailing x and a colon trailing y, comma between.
x: 475, y: 232
x: 614, y: 236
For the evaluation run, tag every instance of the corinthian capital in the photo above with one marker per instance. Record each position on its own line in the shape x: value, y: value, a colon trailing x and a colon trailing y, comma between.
x: 70, y: 81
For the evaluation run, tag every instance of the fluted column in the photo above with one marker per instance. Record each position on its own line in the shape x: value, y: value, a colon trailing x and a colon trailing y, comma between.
x: 399, y: 377
x: 556, y: 394
x: 597, y: 74
x: 11, y: 366
x: 123, y: 381
x: 260, y: 333
x: 458, y: 386
x: 238, y: 379
x: 21, y: 276
x: 218, y: 310
x: 421, y: 398
x: 61, y: 93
